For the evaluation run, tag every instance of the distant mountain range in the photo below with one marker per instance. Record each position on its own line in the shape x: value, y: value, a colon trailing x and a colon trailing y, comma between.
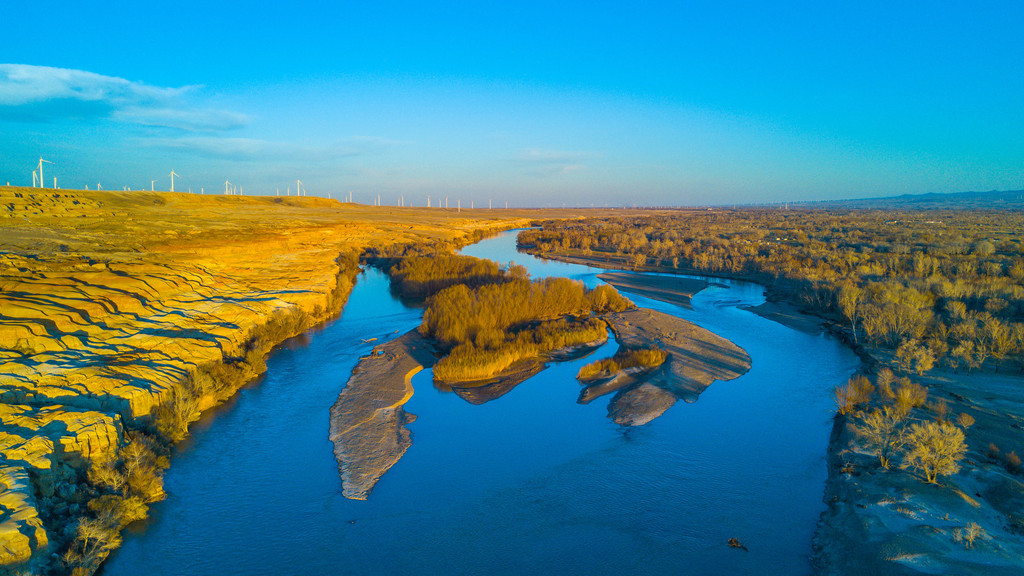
x: 994, y: 200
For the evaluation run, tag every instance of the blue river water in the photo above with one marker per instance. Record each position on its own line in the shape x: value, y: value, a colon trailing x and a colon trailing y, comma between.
x: 529, y: 483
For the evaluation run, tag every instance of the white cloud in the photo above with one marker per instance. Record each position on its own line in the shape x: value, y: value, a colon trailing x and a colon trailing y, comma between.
x: 43, y: 94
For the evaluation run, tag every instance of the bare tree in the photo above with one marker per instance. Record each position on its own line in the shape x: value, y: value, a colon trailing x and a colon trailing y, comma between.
x: 883, y: 431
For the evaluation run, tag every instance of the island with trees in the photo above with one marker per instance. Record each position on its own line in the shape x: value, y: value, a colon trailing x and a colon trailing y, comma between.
x: 490, y: 328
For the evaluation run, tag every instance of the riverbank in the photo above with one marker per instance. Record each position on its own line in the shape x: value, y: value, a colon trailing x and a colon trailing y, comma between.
x: 679, y: 290
x: 676, y: 287
x: 788, y: 315
x: 888, y: 521
x: 891, y: 522
x: 125, y: 315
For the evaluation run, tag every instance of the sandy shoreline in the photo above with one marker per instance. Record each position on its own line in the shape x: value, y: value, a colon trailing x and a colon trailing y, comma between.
x: 679, y: 290
x: 788, y: 315
x: 890, y: 522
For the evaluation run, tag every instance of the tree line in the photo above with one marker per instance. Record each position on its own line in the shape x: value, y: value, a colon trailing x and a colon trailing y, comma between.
x: 935, y: 288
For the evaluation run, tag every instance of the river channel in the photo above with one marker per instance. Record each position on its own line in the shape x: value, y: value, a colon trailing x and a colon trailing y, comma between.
x: 529, y: 483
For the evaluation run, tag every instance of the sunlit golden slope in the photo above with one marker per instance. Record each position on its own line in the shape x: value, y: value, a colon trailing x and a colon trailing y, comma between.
x: 110, y: 300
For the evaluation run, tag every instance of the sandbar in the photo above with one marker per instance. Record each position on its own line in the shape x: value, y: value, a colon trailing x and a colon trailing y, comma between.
x: 676, y: 290
x: 788, y: 315
x: 696, y: 358
x: 368, y: 420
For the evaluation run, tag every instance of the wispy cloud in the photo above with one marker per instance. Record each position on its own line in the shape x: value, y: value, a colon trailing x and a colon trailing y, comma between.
x: 541, y: 162
x: 251, y: 149
x: 186, y: 119
x: 45, y: 94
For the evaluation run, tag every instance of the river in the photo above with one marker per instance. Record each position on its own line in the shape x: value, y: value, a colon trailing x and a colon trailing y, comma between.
x: 530, y: 482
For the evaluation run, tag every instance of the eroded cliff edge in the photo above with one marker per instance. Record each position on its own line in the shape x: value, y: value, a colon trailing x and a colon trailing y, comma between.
x: 124, y: 315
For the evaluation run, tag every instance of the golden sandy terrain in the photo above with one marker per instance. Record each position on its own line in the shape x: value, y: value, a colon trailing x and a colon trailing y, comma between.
x: 109, y: 300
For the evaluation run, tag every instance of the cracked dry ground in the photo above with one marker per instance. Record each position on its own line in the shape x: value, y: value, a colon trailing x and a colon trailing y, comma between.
x: 107, y: 300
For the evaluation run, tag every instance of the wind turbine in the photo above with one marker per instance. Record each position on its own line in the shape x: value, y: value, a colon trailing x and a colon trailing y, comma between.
x: 42, y: 183
x: 34, y: 174
x: 298, y: 187
x: 172, y: 175
x: 227, y: 187
x: 152, y: 185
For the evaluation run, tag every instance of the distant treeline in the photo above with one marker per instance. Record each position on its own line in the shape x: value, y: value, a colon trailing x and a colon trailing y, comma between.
x: 931, y: 286
x: 486, y: 317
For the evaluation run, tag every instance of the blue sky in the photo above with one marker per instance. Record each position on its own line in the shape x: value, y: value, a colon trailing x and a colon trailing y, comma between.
x: 650, y: 103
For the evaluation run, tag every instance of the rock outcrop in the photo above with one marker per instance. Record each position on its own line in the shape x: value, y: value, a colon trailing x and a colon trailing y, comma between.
x: 21, y: 531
